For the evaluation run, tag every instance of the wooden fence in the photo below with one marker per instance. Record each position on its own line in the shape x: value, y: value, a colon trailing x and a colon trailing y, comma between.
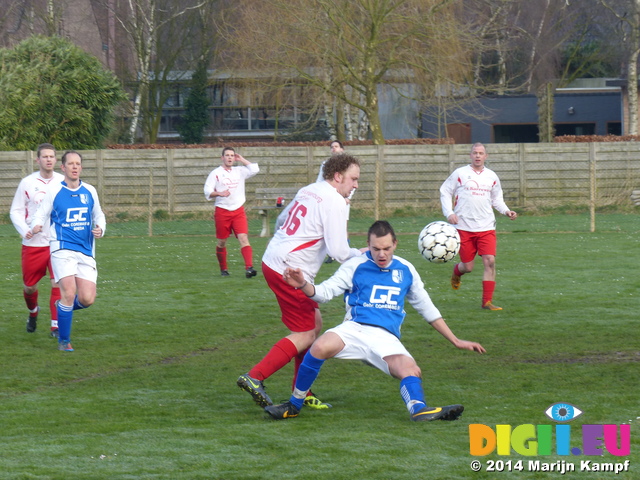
x: 392, y: 177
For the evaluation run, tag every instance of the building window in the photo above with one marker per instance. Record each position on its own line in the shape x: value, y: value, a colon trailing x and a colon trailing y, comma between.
x: 575, y: 129
x: 525, y: 133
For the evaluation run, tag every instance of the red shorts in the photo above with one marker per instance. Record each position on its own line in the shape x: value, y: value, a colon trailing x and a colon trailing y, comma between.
x: 480, y: 243
x: 35, y: 262
x: 228, y: 221
x: 298, y: 310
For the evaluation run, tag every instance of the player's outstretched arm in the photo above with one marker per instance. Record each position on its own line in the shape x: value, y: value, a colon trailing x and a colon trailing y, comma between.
x: 441, y: 326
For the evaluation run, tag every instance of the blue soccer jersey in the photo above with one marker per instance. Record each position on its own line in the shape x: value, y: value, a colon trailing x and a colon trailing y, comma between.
x: 375, y: 295
x: 72, y: 214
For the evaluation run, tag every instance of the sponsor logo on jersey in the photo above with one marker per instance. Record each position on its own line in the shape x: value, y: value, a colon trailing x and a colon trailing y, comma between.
x: 384, y: 294
x: 77, y: 214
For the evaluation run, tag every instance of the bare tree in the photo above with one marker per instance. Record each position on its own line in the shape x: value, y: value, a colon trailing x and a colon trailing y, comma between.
x: 26, y: 18
x: 627, y: 12
x: 145, y: 21
x: 528, y: 44
x: 347, y: 48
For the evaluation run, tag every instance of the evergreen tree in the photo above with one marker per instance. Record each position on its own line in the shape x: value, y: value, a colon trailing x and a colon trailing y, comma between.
x: 196, y: 117
x: 52, y: 91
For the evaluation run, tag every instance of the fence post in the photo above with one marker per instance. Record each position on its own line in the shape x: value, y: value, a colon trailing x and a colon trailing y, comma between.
x: 171, y: 200
x: 379, y: 180
x: 592, y: 189
x: 150, y: 213
x: 452, y: 158
x: 310, y: 170
x: 28, y: 156
x: 100, y: 173
x: 523, y: 176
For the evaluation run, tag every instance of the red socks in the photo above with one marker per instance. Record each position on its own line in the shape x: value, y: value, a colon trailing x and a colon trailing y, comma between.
x: 247, y: 255
x: 31, y: 299
x: 221, y: 253
x: 488, y: 287
x: 279, y: 355
x: 457, y: 271
x: 55, y: 296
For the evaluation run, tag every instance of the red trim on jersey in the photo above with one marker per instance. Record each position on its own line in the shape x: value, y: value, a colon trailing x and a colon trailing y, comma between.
x: 306, y: 245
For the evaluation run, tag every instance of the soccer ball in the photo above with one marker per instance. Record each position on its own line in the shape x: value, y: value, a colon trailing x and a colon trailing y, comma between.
x: 439, y: 242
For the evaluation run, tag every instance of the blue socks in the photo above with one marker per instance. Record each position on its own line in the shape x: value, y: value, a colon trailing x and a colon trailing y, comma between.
x: 65, y: 317
x: 307, y: 374
x: 77, y: 305
x: 412, y: 394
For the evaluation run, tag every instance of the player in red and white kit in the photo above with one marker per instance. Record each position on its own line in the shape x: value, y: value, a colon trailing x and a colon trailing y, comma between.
x: 477, y: 192
x: 225, y: 184
x: 36, y: 255
x: 315, y: 226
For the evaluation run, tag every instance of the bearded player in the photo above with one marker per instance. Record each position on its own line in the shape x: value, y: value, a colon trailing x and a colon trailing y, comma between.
x: 315, y: 226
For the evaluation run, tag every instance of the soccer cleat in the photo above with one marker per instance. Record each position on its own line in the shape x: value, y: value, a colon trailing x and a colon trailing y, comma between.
x: 328, y: 260
x: 32, y: 322
x: 490, y: 306
x: 314, y: 402
x: 55, y: 333
x: 427, y: 414
x: 65, y: 346
x: 255, y: 389
x: 250, y: 272
x: 224, y: 273
x: 282, y: 411
x: 455, y: 281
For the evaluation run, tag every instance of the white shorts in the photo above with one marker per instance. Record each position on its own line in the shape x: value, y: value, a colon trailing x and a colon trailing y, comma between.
x: 368, y: 343
x: 69, y: 262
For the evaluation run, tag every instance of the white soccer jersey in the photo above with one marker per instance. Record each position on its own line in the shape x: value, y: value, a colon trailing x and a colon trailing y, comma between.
x: 475, y: 194
x: 221, y: 179
x: 29, y: 194
x: 316, y: 225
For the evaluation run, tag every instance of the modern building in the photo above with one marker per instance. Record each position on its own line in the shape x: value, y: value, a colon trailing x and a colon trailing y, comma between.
x: 588, y: 107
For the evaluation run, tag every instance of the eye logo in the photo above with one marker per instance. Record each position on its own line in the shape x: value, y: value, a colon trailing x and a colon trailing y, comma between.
x: 563, y: 412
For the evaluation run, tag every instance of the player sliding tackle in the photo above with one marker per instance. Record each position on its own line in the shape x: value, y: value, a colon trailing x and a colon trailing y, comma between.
x: 375, y: 286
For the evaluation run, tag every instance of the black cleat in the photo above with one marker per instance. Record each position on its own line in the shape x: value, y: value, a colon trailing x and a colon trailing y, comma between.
x: 255, y: 389
x: 224, y: 273
x: 55, y: 333
x: 450, y: 412
x: 32, y: 322
x: 282, y: 411
x: 250, y: 272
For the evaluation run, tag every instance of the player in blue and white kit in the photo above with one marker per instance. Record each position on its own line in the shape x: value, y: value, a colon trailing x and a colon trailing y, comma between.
x: 375, y: 286
x: 73, y: 212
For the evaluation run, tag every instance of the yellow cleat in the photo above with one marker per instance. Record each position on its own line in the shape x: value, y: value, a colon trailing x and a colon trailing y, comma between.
x: 455, y: 281
x: 490, y: 306
x: 314, y: 402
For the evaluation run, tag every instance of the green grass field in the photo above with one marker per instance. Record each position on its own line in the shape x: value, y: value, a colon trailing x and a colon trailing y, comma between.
x: 150, y: 391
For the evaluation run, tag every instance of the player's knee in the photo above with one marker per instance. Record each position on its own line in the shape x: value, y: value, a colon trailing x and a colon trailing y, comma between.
x: 414, y: 371
x: 326, y: 346
x: 489, y: 261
